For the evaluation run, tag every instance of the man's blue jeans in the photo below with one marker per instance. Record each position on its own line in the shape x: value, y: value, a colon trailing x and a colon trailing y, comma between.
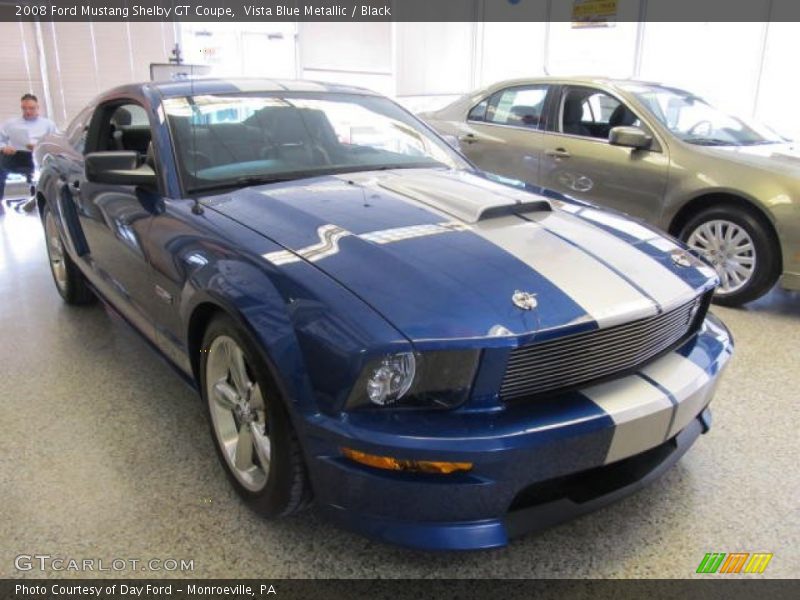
x: 20, y: 162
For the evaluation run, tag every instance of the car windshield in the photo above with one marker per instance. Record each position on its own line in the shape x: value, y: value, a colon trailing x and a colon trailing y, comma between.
x: 695, y: 121
x: 233, y: 140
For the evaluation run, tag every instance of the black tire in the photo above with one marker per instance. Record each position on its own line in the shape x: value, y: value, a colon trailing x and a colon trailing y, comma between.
x: 767, y: 251
x: 286, y: 489
x: 69, y: 281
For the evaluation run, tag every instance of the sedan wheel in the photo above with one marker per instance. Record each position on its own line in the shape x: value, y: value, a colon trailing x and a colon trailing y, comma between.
x: 730, y: 250
x: 741, y: 245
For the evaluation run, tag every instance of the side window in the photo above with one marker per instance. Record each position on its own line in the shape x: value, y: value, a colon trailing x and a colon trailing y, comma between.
x: 78, y: 129
x: 593, y: 113
x: 478, y: 112
x: 518, y: 106
x: 121, y: 126
x: 599, y: 107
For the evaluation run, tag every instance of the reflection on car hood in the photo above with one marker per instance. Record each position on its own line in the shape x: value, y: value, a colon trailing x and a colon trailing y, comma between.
x: 778, y: 158
x: 441, y: 254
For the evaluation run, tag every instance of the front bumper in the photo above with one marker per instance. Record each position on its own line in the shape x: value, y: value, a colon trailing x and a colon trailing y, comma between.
x: 535, y: 464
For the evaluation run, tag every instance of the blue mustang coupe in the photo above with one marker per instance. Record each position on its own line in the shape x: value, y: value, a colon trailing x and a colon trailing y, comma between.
x: 442, y: 359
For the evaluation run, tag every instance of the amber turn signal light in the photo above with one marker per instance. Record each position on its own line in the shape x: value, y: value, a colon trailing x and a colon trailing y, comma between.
x: 396, y: 464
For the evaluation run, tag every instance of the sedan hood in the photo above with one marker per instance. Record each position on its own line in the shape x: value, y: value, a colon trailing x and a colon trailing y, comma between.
x: 776, y: 158
x: 448, y: 255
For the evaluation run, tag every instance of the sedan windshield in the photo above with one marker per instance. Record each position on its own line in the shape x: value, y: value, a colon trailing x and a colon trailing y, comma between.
x: 234, y: 140
x: 695, y: 121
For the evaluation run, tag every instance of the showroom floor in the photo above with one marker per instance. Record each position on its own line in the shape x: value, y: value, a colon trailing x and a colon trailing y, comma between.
x: 105, y: 453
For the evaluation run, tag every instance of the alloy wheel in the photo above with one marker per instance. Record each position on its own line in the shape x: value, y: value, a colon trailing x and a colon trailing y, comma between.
x: 238, y: 413
x: 55, y: 252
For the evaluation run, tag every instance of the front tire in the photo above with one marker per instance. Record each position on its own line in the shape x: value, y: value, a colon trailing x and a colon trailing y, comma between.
x: 742, y: 249
x: 250, y: 425
x: 69, y: 280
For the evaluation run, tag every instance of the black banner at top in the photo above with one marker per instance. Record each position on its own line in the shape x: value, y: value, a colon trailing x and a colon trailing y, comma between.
x: 578, y: 11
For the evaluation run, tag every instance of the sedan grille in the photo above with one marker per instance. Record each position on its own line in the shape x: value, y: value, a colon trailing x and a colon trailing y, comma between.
x: 575, y: 360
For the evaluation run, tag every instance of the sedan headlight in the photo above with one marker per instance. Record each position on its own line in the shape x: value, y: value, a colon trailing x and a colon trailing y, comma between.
x: 440, y: 379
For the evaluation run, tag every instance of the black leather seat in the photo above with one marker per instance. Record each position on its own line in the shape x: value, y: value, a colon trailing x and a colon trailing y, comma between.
x: 573, y: 114
x: 121, y: 118
x: 622, y: 117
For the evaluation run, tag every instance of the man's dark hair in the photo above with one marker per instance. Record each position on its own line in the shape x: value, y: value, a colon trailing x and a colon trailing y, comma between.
x: 29, y: 97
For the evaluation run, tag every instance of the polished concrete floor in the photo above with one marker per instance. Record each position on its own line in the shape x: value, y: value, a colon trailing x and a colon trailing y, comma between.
x: 105, y: 453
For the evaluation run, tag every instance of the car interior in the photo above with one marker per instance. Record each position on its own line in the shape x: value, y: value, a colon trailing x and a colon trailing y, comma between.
x: 275, y: 136
x: 590, y: 113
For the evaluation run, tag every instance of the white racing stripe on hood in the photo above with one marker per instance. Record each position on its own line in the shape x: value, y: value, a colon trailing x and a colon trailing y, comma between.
x: 645, y: 272
x: 605, y: 295
x: 641, y: 413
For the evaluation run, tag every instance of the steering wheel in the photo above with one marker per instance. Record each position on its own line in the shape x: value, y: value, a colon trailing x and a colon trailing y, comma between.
x: 704, y: 124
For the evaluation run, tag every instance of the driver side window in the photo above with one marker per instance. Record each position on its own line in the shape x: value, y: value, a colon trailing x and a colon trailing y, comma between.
x: 78, y: 129
x: 121, y: 126
x: 593, y: 113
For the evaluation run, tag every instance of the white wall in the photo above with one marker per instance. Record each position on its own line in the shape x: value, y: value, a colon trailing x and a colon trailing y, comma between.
x: 349, y: 53
x: 67, y: 64
x: 747, y: 68
x: 19, y: 67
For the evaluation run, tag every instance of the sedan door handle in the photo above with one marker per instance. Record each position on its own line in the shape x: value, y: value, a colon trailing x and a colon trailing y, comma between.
x: 469, y: 138
x: 558, y: 153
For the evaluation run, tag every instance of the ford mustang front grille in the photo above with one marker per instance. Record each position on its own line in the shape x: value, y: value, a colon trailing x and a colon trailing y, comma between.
x: 575, y: 360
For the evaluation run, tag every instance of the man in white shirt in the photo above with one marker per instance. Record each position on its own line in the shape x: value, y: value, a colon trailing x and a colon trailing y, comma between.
x: 18, y: 137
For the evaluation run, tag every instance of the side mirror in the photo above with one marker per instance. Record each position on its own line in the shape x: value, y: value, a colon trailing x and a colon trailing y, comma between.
x: 630, y: 137
x: 119, y: 168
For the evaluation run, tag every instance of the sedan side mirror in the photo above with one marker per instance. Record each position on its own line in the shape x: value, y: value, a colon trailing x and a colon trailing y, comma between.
x: 630, y: 137
x: 119, y: 168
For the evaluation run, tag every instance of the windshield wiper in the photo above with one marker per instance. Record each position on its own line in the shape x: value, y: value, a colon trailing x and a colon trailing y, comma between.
x: 709, y: 142
x: 248, y: 181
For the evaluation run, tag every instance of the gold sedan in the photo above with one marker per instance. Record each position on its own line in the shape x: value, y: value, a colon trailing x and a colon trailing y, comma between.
x: 728, y: 188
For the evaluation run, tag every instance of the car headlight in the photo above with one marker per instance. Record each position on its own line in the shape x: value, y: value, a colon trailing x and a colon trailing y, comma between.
x: 440, y: 379
x: 391, y: 379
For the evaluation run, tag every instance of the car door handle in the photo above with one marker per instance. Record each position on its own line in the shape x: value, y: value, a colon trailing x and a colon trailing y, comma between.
x: 558, y: 153
x: 469, y: 138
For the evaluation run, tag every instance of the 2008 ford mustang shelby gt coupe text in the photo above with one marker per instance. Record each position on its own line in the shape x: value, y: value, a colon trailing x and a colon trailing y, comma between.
x: 444, y: 360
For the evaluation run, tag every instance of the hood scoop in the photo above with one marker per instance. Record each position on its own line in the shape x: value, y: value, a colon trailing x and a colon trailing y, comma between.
x: 463, y: 196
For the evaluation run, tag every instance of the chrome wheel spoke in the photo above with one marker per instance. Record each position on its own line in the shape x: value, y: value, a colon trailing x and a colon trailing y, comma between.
x: 225, y: 396
x: 262, y: 444
x: 243, y: 457
x: 237, y: 369
x: 740, y: 270
x: 55, y: 252
x: 740, y: 238
x: 256, y: 399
